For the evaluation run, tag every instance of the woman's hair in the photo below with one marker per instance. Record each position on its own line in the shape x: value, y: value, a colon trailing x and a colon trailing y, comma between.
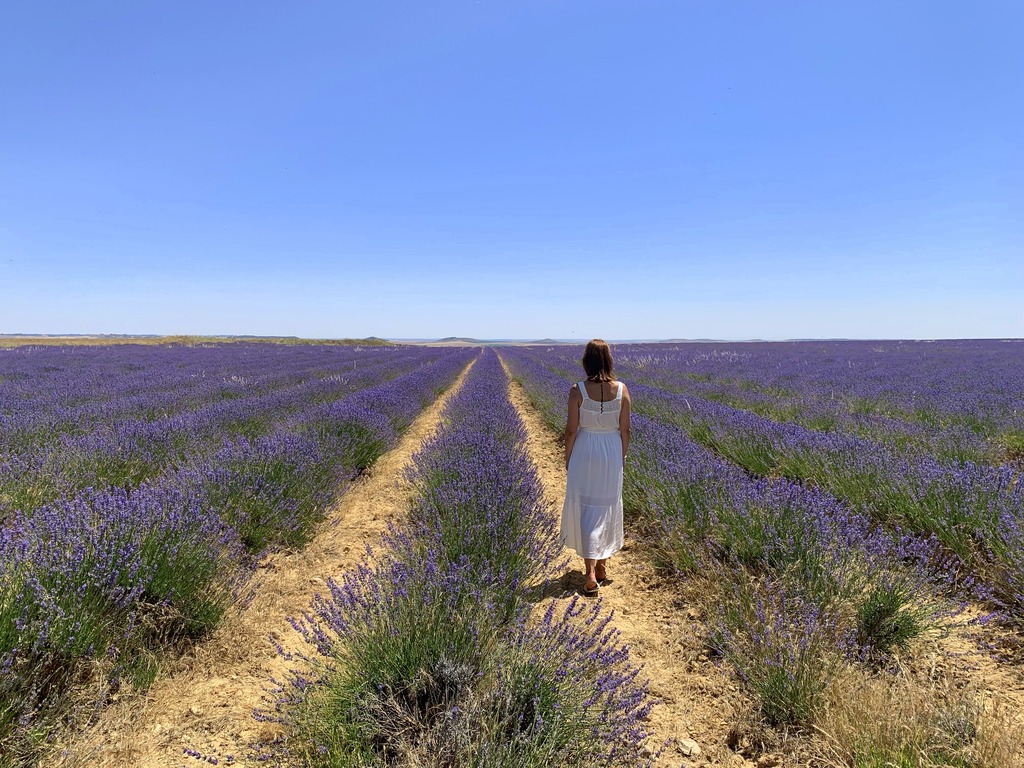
x: 597, y: 360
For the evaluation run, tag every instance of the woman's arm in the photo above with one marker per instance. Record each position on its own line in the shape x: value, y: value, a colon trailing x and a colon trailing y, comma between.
x: 572, y: 421
x: 624, y: 422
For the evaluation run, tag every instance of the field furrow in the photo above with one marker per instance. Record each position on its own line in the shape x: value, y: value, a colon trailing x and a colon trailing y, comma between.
x: 697, y: 700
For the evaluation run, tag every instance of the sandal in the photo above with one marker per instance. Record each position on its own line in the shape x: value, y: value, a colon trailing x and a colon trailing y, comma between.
x: 591, y: 588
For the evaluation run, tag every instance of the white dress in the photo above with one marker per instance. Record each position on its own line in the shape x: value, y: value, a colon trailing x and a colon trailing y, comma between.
x: 592, y: 513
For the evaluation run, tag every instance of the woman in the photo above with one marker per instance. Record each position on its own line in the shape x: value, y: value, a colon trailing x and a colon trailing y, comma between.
x: 596, y: 441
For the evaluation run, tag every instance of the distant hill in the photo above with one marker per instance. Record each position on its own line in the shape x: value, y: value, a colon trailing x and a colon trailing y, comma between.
x: 467, y: 341
x: 687, y: 341
x: 455, y: 341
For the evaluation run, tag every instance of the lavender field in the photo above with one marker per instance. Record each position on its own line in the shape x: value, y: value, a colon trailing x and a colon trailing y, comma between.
x: 832, y: 513
x: 140, y: 486
x: 921, y: 438
x: 836, y: 503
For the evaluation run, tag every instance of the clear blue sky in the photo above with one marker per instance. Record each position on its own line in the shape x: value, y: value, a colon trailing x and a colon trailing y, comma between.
x: 518, y: 168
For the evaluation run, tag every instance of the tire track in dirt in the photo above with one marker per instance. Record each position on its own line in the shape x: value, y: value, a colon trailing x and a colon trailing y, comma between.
x: 699, y: 700
x: 205, y: 701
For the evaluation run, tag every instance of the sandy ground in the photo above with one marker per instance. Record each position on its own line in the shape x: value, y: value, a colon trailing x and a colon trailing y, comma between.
x: 205, y: 701
x: 700, y: 701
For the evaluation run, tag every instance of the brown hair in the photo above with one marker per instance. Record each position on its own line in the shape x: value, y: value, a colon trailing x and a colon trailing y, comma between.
x: 597, y: 360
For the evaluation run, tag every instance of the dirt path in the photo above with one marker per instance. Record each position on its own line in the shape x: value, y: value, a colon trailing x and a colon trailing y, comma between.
x: 205, y: 702
x: 699, y: 701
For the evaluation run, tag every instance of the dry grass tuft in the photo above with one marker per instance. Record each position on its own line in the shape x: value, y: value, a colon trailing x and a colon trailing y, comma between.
x: 875, y: 722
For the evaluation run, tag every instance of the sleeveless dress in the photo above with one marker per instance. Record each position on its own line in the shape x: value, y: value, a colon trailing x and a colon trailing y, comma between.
x: 592, y: 513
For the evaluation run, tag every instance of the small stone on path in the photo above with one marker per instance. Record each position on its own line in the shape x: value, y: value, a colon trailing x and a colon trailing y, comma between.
x: 688, y: 747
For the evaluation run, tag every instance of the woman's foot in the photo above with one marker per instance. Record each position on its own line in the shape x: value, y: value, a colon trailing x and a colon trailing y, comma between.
x: 589, y: 577
x: 600, y: 572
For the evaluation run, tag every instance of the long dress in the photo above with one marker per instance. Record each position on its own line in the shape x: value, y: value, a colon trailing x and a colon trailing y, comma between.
x: 592, y: 513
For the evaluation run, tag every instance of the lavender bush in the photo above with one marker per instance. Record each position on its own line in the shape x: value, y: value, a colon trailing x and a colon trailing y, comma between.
x: 108, y: 576
x: 786, y: 649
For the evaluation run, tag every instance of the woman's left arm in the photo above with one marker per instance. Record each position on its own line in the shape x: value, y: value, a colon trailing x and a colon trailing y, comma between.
x: 624, y: 422
x: 572, y: 421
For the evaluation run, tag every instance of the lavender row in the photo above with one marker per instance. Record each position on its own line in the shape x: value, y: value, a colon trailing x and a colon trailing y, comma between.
x: 124, y: 453
x: 805, y: 583
x: 273, y: 489
x: 179, y: 387
x: 103, y: 582
x: 975, y: 510
x: 425, y: 651
x: 46, y: 392
x: 667, y: 368
x: 953, y: 399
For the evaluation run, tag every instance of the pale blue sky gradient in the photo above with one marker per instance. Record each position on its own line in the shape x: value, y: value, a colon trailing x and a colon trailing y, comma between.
x: 563, y: 168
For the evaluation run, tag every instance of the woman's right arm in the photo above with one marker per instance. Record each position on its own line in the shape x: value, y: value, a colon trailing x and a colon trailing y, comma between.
x: 572, y: 421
